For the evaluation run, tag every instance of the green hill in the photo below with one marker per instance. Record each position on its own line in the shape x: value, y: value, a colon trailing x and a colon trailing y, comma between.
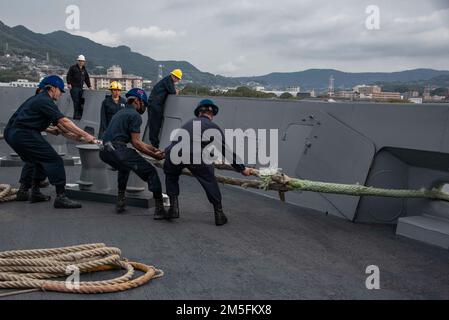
x: 63, y: 47
x: 319, y: 78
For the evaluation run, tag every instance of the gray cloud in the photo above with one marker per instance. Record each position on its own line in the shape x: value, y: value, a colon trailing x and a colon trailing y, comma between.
x: 250, y: 37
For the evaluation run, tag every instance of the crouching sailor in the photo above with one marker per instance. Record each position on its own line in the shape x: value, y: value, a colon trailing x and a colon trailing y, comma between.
x: 204, y: 173
x: 23, y: 134
x: 123, y: 129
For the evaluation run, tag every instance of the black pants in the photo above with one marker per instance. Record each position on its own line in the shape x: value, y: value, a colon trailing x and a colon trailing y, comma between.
x: 40, y: 158
x: 125, y: 160
x: 31, y: 173
x: 77, y: 98
x: 155, y: 119
x: 205, y: 174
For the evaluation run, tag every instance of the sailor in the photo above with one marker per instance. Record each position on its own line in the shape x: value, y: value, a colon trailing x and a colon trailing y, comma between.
x: 28, y: 168
x: 123, y: 129
x: 76, y: 77
x: 204, y: 113
x: 23, y: 134
x: 157, y: 100
x: 110, y: 106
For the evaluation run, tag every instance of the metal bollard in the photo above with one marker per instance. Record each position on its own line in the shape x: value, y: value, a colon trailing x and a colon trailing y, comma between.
x: 94, y: 173
x: 135, y: 184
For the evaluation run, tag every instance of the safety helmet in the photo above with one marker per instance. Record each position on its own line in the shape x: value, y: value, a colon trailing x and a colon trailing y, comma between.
x: 41, y: 84
x: 53, y: 81
x: 138, y: 93
x: 81, y: 58
x: 206, y: 105
x: 177, y: 73
x: 115, y: 85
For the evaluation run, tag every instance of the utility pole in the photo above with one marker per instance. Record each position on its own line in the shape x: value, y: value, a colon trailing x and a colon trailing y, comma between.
x: 427, y: 91
x: 331, y: 86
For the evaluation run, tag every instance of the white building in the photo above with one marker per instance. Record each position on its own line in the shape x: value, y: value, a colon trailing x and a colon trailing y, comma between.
x: 416, y: 100
x: 293, y: 90
x: 23, y: 83
x: 367, y: 92
x: 115, y: 73
x: 438, y: 98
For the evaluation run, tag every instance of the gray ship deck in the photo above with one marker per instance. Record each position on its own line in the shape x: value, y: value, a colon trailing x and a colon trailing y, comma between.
x: 267, y: 251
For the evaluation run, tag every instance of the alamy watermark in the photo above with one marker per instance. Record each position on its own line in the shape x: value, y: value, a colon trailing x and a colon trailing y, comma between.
x: 373, y: 280
x: 73, y: 280
x: 73, y: 20
x: 251, y: 147
x: 372, y: 22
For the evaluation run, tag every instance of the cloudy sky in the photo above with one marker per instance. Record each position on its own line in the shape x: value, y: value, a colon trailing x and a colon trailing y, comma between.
x: 254, y: 37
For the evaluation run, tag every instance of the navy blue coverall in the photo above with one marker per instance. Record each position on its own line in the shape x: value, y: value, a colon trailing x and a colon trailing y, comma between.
x: 125, y: 159
x: 156, y: 103
x: 23, y: 134
x: 76, y: 77
x: 204, y: 173
x: 108, y: 109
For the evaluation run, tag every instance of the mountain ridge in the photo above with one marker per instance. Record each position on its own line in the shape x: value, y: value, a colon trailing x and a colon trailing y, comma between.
x: 319, y: 78
x: 63, y: 47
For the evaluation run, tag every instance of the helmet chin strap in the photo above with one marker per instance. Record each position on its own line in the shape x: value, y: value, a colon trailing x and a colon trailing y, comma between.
x: 142, y: 108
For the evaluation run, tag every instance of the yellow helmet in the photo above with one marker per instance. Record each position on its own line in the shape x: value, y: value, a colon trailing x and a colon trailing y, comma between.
x: 177, y: 73
x: 115, y: 86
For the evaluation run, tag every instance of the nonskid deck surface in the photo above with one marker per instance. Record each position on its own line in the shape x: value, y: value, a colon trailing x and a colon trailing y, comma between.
x: 269, y: 250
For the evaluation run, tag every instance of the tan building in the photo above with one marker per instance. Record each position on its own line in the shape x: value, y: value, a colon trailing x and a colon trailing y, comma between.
x: 115, y: 73
x: 367, y: 90
x: 387, y: 96
x: 344, y: 94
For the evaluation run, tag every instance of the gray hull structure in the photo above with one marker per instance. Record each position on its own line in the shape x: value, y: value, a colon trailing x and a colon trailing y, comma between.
x: 400, y: 146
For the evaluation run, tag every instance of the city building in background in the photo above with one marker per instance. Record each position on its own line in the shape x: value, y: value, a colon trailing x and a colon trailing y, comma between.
x: 115, y: 73
x: 416, y: 100
x: 367, y: 92
x: 345, y: 95
x: 364, y: 92
x: 291, y: 90
x: 387, y: 96
x: 20, y: 83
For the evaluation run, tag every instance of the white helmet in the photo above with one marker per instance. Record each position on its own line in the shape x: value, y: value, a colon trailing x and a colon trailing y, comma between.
x: 81, y: 58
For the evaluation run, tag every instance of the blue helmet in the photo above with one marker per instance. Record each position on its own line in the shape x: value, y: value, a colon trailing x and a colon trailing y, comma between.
x: 206, y: 105
x: 54, y: 81
x: 41, y: 84
x: 138, y: 93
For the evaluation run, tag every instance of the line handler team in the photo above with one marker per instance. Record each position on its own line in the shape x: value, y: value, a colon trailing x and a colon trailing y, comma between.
x: 124, y: 119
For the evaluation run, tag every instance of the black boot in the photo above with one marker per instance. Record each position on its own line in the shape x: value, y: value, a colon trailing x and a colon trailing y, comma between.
x: 220, y: 217
x: 62, y: 202
x: 24, y: 193
x: 36, y: 195
x: 159, y: 210
x: 173, y: 212
x: 121, y: 202
x: 44, y: 184
x: 39, y: 197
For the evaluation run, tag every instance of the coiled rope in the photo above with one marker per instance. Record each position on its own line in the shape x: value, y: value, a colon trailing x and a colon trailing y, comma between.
x: 38, y: 269
x: 7, y: 193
